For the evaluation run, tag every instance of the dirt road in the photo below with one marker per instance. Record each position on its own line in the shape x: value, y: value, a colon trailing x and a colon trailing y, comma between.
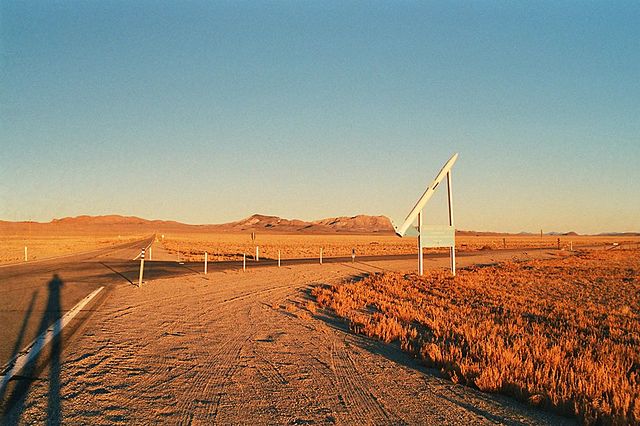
x: 245, y: 348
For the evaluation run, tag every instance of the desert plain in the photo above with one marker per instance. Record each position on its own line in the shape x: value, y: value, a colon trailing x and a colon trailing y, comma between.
x: 532, y: 329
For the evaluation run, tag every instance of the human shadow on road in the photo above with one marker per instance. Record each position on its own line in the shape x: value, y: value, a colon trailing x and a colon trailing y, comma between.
x: 16, y: 402
x: 129, y: 271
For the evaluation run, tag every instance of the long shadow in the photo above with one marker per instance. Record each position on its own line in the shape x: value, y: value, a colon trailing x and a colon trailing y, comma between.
x: 129, y: 271
x: 17, y: 346
x: 16, y: 401
x: 116, y: 272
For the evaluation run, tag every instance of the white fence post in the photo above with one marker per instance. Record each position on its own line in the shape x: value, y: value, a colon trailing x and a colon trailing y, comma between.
x: 244, y: 262
x: 141, y: 268
x: 321, y: 255
x: 25, y: 253
x: 257, y: 253
x: 278, y: 258
x: 206, y: 259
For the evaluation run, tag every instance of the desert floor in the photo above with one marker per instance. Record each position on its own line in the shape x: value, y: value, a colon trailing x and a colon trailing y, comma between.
x: 246, y: 348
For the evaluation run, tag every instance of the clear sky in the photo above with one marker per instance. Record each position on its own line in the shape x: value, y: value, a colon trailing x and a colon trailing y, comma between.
x: 207, y: 112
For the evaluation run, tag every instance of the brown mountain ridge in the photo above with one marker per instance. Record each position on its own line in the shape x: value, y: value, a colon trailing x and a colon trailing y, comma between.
x: 360, y: 224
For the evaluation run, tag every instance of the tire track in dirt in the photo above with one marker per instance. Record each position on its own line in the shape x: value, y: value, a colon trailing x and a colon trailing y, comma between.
x: 354, y: 391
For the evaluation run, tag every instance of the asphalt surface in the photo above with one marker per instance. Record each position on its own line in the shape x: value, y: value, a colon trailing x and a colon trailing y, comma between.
x: 35, y: 294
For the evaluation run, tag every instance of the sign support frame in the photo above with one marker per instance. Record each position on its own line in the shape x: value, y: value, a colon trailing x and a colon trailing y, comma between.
x: 417, y: 213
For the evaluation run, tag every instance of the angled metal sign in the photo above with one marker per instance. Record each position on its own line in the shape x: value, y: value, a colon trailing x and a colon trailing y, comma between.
x: 433, y: 236
x: 413, y: 214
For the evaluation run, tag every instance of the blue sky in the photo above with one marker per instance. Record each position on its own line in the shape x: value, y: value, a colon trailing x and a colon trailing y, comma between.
x: 207, y: 112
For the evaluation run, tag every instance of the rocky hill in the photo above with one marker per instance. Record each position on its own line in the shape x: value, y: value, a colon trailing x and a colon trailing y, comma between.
x: 355, y: 224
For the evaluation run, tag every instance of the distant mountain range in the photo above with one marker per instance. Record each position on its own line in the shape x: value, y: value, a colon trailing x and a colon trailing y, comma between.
x: 360, y: 224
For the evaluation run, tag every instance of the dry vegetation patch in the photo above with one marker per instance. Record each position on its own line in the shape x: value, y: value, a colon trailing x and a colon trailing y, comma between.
x: 561, y: 333
x: 231, y: 246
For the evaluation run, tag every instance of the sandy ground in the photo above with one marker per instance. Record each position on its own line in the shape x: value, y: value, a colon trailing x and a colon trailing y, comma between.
x: 245, y: 348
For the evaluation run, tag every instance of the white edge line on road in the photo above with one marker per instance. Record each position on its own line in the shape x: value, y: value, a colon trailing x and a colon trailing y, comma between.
x: 14, y: 366
x: 145, y: 249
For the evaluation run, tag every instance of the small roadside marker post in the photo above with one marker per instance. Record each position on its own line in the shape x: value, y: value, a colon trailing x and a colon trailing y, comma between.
x: 257, y: 253
x: 571, y: 245
x: 25, y: 253
x: 558, y: 243
x: 321, y: 255
x: 504, y: 243
x: 141, y: 268
x: 278, y: 258
x: 353, y: 255
x: 244, y: 262
x: 206, y: 259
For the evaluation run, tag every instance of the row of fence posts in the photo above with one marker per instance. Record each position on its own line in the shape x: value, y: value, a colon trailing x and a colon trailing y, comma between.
x: 504, y: 244
x: 206, y: 260
x: 257, y: 258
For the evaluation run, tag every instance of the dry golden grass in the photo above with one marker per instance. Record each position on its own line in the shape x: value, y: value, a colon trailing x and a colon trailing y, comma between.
x: 231, y: 246
x: 44, y: 246
x: 561, y: 333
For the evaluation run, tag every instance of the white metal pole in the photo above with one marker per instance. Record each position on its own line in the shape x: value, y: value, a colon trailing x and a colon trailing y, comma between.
x: 244, y: 261
x: 206, y: 259
x: 278, y: 258
x: 141, y: 268
x: 25, y: 254
x: 452, y: 250
x: 321, y: 255
x: 420, y: 260
x: 257, y: 253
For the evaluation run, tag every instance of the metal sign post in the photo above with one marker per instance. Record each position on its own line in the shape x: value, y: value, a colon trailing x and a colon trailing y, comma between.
x: 420, y: 245
x: 452, y: 249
